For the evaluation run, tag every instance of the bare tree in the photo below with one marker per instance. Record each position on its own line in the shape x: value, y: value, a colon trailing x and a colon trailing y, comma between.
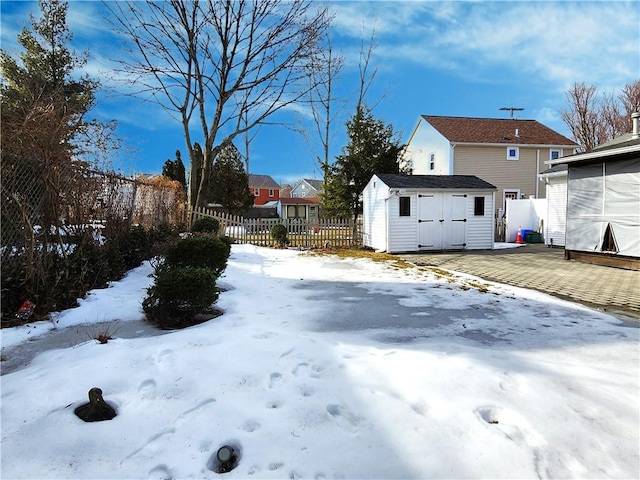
x: 225, y: 65
x: 595, y: 119
x: 582, y: 116
x: 322, y: 78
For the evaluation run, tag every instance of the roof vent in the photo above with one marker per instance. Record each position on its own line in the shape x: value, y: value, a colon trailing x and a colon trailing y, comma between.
x: 635, y: 119
x: 517, y: 133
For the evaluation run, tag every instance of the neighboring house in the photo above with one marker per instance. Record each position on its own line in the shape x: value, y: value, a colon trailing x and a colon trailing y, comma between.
x: 307, y: 187
x: 264, y: 189
x: 603, y: 202
x: 305, y: 208
x: 555, y: 180
x: 409, y: 213
x: 508, y: 153
x: 285, y: 191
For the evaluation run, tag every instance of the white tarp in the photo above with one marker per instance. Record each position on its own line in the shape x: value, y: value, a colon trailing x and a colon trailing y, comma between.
x: 601, y: 195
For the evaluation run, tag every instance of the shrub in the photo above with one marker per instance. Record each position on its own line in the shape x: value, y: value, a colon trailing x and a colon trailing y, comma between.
x: 198, y: 251
x: 178, y: 295
x: 206, y: 224
x: 228, y: 240
x: 279, y: 234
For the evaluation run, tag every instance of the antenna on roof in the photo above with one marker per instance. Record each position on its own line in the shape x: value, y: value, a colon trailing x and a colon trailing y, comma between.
x: 512, y: 109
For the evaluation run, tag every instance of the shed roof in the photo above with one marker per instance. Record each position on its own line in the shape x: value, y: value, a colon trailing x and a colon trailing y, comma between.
x: 300, y: 201
x: 262, y: 181
x: 497, y: 130
x: 440, y: 182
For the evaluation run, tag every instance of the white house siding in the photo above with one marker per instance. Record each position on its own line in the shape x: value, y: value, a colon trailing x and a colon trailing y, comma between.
x: 556, y: 211
x: 427, y: 140
x: 480, y: 228
x: 374, y: 215
x: 403, y: 232
x: 490, y: 163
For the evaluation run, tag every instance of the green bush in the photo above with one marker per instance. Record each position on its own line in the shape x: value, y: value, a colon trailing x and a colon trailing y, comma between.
x: 198, y: 251
x: 228, y: 240
x: 178, y: 295
x: 206, y: 225
x: 279, y: 234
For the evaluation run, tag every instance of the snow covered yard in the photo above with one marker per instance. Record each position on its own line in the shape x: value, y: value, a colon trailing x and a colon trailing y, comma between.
x: 324, y: 368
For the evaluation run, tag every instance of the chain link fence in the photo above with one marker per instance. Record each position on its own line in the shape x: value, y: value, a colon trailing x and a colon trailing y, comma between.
x: 46, y: 210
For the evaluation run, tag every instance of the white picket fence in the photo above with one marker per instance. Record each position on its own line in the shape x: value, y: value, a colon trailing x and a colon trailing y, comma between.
x: 303, y: 233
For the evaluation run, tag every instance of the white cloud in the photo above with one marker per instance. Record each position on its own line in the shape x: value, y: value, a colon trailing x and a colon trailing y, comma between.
x: 558, y: 42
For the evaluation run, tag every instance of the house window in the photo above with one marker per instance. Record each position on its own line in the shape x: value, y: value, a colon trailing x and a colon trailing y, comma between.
x: 478, y: 205
x: 554, y: 154
x: 271, y: 192
x: 405, y: 206
x: 432, y: 161
x: 256, y: 192
x: 513, y: 153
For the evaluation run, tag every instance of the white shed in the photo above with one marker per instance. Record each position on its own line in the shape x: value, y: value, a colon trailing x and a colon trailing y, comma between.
x: 410, y: 213
x: 555, y: 180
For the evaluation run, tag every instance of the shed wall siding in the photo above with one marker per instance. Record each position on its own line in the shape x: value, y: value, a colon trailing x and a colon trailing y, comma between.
x: 480, y: 227
x: 403, y: 231
x: 491, y: 164
x: 556, y: 211
x: 374, y: 215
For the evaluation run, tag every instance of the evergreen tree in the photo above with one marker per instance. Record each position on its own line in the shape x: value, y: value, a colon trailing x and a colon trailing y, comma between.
x: 372, y: 148
x: 229, y: 183
x: 44, y: 106
x: 174, y: 169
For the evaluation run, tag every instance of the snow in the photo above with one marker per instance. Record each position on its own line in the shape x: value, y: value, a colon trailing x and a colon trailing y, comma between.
x: 323, y: 367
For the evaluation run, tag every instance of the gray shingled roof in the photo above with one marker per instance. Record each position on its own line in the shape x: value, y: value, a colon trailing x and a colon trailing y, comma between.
x: 262, y: 181
x: 496, y: 130
x: 466, y: 182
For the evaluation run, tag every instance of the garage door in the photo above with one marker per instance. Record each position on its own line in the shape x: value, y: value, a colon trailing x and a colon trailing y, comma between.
x: 441, y: 221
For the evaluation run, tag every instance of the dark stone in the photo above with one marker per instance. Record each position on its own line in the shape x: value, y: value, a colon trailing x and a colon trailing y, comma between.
x: 97, y: 410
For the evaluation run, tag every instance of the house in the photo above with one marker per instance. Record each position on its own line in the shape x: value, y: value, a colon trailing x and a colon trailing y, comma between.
x: 410, y: 213
x: 285, y: 191
x: 508, y: 153
x: 307, y: 187
x: 555, y: 180
x: 603, y: 202
x: 306, y: 208
x: 264, y: 189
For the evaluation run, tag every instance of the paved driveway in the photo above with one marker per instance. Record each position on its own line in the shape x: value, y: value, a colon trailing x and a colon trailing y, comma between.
x: 541, y: 268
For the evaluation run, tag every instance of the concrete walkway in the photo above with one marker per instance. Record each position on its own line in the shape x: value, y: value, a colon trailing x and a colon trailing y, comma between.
x: 538, y: 267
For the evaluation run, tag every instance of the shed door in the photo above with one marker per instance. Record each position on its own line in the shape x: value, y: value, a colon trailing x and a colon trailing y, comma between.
x: 455, y: 221
x: 442, y: 221
x: 429, y: 220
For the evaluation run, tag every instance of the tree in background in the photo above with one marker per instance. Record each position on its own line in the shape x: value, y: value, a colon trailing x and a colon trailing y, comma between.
x: 48, y: 147
x: 174, y: 169
x: 225, y: 66
x: 323, y: 103
x: 595, y: 119
x: 372, y: 147
x: 229, y: 183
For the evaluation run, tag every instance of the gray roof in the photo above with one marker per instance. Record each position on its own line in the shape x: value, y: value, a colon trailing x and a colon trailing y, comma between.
x: 556, y: 168
x: 262, y: 181
x: 440, y: 182
x: 317, y: 184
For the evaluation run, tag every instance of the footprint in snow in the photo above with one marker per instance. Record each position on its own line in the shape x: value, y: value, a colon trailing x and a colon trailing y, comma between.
x: 511, y: 424
x: 147, y: 390
x: 275, y: 379
x: 160, y: 472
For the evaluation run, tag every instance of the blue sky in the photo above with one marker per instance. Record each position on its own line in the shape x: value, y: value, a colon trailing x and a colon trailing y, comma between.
x: 435, y: 58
